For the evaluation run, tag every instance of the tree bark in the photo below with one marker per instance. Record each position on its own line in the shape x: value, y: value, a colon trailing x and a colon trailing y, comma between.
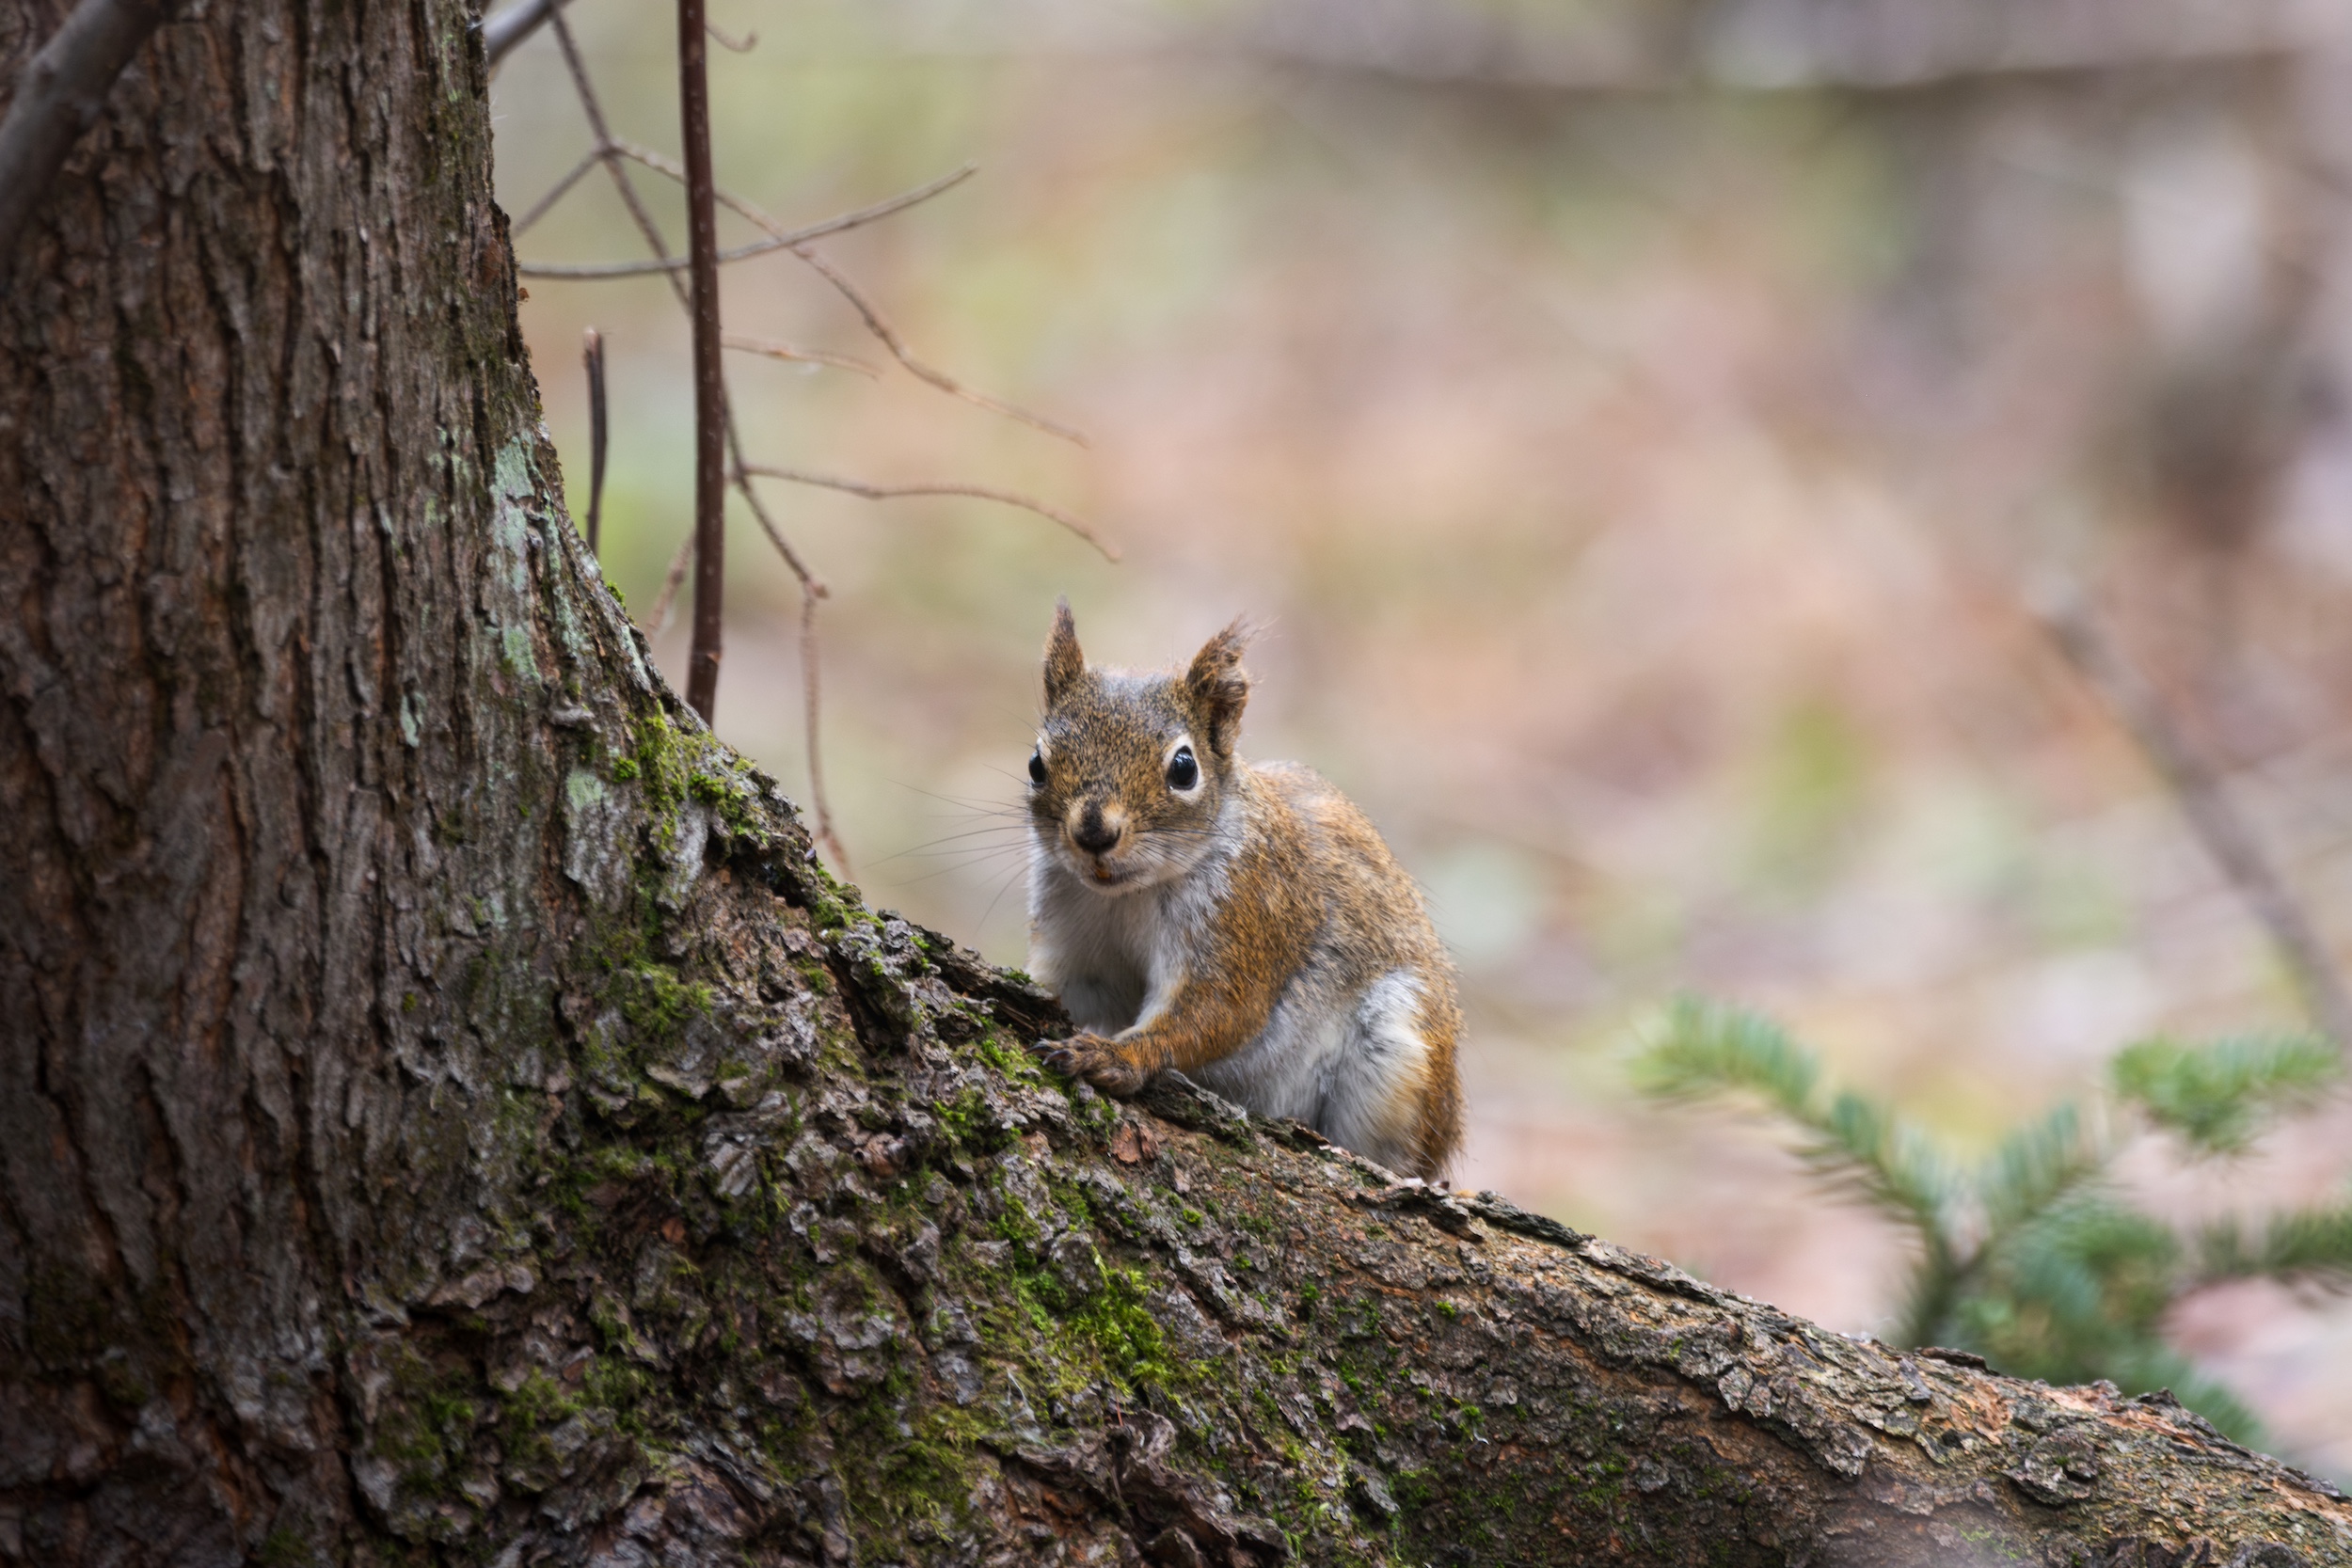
x: 449, y: 1115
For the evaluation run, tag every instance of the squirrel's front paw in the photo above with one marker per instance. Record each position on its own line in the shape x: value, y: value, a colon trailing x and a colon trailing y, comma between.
x: 1097, y: 1060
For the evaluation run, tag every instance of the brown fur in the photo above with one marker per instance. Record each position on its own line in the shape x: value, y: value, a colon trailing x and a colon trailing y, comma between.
x: 1256, y: 907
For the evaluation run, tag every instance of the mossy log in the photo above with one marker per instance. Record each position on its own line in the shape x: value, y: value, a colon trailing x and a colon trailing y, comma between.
x: 449, y: 1115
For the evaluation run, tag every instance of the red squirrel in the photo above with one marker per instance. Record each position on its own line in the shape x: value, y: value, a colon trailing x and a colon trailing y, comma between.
x: 1240, y: 921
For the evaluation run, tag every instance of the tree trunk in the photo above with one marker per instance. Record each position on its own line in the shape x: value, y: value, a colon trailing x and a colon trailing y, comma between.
x: 449, y: 1115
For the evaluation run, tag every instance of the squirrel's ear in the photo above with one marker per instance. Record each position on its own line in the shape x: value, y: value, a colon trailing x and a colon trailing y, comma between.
x: 1064, y: 662
x: 1220, y: 686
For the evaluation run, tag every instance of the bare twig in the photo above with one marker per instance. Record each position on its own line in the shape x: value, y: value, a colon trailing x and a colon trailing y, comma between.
x: 557, y: 192
x: 59, y: 93
x: 612, y: 153
x: 809, y: 698
x: 671, y: 168
x: 728, y: 41
x: 780, y: 240
x: 982, y: 491
x: 503, y: 32
x: 594, y: 109
x: 774, y: 350
x: 812, y: 590
x: 710, y: 391
x: 593, y: 354
x: 616, y: 155
x: 680, y: 559
x: 797, y: 241
x: 2198, y: 793
x: 810, y: 582
x: 880, y: 326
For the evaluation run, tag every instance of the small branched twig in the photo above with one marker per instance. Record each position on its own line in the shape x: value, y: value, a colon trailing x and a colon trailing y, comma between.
x: 812, y: 588
x: 704, y: 196
x: 593, y: 108
x: 2212, y: 817
x: 839, y: 223
x: 880, y: 326
x: 774, y: 350
x: 728, y: 41
x: 892, y: 492
x: 557, y: 192
x: 797, y: 241
x: 59, y: 93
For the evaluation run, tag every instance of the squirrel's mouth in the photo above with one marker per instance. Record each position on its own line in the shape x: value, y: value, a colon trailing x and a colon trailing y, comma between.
x: 1104, y: 871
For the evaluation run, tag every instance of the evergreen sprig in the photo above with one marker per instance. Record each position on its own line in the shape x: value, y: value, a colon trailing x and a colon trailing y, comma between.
x: 1703, y: 1049
x: 2309, y: 1246
x: 2216, y: 1098
x: 2031, y: 1258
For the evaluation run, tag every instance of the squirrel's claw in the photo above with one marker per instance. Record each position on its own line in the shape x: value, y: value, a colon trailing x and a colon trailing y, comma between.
x: 1095, y: 1059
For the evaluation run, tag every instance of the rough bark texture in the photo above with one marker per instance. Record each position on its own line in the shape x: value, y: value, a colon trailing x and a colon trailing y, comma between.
x: 448, y: 1114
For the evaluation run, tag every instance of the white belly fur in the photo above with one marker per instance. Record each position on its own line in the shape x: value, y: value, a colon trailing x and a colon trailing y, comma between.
x: 1349, y: 1064
x: 1112, y: 960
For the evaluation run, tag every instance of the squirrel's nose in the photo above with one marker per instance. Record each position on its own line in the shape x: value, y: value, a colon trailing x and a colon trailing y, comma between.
x: 1092, y: 833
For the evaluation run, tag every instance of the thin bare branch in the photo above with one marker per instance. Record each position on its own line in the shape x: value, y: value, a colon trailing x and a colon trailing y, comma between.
x: 503, y: 32
x: 594, y: 109
x: 779, y: 239
x: 809, y: 708
x: 539, y: 208
x: 673, y: 264
x: 59, y: 93
x: 876, y: 323
x: 592, y: 353
x: 810, y: 581
x: 775, y: 350
x: 2212, y: 817
x: 728, y: 41
x: 710, y: 391
x: 673, y: 170
x: 615, y: 154
x: 812, y: 589
x: 981, y: 491
x: 664, y: 602
x: 880, y: 326
x: 612, y: 153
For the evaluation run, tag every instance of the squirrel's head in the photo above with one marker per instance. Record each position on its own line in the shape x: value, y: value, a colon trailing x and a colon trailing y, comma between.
x: 1131, y: 769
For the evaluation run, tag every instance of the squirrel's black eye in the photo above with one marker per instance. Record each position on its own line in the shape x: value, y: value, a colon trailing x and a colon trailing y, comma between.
x: 1036, y: 767
x: 1183, y: 773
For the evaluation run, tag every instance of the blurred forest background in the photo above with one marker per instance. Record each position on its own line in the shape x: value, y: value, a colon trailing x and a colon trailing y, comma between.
x: 1641, y: 425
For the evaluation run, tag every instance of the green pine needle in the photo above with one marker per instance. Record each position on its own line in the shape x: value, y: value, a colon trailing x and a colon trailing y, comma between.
x: 2039, y: 1165
x: 2217, y: 1098
x: 2308, y: 1246
x: 2057, y: 1277
x: 1700, y: 1049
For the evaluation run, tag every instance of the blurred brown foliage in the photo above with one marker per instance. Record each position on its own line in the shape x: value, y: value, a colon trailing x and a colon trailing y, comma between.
x: 1641, y: 425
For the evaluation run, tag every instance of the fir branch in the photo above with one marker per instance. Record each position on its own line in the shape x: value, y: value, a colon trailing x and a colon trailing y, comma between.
x: 2217, y: 1098
x: 1702, y: 1051
x: 2301, y: 1246
x: 2038, y: 1166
